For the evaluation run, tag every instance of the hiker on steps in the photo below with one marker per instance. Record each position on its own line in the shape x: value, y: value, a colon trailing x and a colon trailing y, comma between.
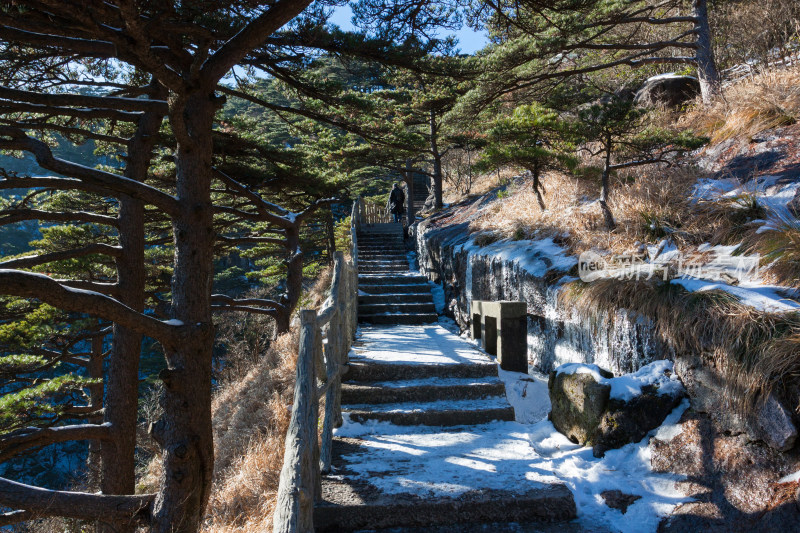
x: 397, y: 201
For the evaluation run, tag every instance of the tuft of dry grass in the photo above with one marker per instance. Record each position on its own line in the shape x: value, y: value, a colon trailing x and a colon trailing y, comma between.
x: 749, y: 106
x: 779, y: 247
x: 481, y: 184
x: 251, y: 410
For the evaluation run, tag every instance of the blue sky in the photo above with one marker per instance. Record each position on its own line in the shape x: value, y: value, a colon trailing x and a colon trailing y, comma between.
x: 469, y: 40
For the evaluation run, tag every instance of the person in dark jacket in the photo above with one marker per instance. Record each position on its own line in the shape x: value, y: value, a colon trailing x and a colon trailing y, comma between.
x: 397, y: 200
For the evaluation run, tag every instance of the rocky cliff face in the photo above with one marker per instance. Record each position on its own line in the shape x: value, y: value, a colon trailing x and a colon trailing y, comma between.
x: 470, y: 267
x: 534, y: 272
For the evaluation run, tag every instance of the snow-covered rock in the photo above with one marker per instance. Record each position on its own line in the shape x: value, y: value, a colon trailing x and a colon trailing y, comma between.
x: 593, y: 408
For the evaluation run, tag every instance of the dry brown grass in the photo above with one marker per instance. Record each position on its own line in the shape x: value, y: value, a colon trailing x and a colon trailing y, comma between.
x: 251, y: 409
x: 779, y: 248
x: 250, y: 416
x: 648, y: 206
x: 750, y: 106
x: 250, y: 421
x: 481, y: 184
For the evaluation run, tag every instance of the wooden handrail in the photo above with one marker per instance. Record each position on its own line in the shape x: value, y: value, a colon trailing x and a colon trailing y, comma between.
x: 305, y: 459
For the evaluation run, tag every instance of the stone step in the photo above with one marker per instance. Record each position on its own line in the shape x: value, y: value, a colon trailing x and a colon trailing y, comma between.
x: 394, y: 271
x: 421, y: 390
x: 437, y: 413
x: 346, y: 508
x: 373, y: 371
x: 399, y: 318
x: 495, y: 527
x: 382, y: 244
x: 401, y: 298
x: 369, y: 256
x: 389, y: 288
x: 381, y: 250
x: 386, y: 263
x: 393, y: 254
x: 392, y: 308
x: 409, y: 279
x: 380, y: 237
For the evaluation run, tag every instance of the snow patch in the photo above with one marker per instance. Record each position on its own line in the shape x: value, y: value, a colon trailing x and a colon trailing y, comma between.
x: 536, y: 257
x: 791, y: 478
x: 438, y: 297
x: 628, y: 386
x: 765, y: 298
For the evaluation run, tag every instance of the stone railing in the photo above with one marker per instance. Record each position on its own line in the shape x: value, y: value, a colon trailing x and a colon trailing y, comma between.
x: 320, y: 366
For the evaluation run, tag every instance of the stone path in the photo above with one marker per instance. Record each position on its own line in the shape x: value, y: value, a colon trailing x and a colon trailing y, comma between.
x: 388, y: 292
x: 429, y: 441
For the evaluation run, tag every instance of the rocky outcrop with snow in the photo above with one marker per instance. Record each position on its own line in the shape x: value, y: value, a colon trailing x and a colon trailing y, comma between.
x: 593, y: 408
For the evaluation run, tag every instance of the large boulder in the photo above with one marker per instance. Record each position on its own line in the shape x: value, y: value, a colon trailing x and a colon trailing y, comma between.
x: 593, y: 408
x: 578, y: 398
x: 629, y: 421
x: 669, y: 90
x: 769, y: 422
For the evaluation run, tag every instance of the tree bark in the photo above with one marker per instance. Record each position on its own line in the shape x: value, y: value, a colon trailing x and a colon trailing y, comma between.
x: 184, y: 433
x: 437, y: 162
x: 606, y: 187
x: 707, y: 72
x: 329, y: 229
x: 408, y: 175
x: 95, y: 370
x: 537, y: 185
x: 118, y: 475
x: 294, y: 278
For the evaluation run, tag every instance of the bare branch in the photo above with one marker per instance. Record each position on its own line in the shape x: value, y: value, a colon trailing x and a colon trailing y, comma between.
x: 12, y: 216
x: 41, y: 287
x: 18, y: 441
x: 227, y: 300
x: 18, y: 140
x: 80, y: 100
x: 245, y: 309
x: 35, y: 260
x: 15, y: 517
x: 46, y: 502
x: 251, y: 36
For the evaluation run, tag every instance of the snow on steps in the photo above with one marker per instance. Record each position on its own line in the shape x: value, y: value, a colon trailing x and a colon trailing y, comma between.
x: 421, y: 390
x: 428, y: 442
x: 383, y: 269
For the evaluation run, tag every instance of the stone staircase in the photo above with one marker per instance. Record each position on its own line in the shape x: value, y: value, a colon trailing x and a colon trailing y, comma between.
x: 452, y: 459
x: 388, y: 292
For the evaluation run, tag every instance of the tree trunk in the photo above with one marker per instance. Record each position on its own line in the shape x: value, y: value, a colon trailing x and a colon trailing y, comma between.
x: 95, y: 371
x: 294, y: 279
x: 409, y: 179
x: 118, y: 474
x: 184, y: 433
x: 331, y: 235
x: 605, y: 191
x: 437, y: 163
x: 707, y: 72
x: 537, y: 185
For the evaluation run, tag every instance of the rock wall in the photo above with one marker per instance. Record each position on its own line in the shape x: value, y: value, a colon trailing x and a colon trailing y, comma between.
x: 556, y: 333
x: 620, y: 341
